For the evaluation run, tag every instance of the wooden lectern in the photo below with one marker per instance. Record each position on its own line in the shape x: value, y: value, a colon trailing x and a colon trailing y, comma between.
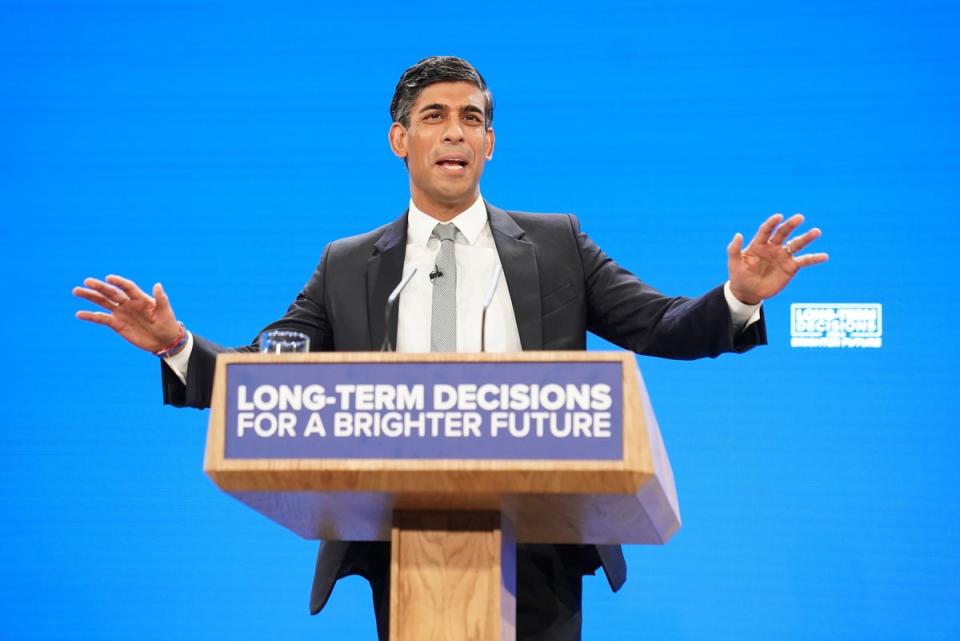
x: 454, y: 458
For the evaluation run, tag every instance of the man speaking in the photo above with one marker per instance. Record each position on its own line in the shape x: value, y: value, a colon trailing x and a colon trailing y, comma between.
x: 555, y: 286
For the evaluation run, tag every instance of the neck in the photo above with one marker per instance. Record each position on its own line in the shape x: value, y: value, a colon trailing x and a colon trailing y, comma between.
x: 443, y: 212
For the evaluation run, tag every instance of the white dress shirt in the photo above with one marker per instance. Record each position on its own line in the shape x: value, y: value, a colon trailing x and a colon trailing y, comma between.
x: 477, y: 258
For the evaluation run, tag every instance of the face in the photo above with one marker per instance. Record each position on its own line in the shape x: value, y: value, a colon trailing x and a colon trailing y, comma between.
x: 446, y: 146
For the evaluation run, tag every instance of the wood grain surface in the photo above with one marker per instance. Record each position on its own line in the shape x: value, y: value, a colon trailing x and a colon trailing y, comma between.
x: 450, y: 579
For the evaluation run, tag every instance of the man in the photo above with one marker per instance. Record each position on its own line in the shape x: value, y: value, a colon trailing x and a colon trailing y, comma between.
x: 556, y: 285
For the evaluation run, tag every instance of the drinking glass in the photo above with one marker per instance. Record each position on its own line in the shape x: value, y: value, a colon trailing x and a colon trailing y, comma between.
x: 278, y: 341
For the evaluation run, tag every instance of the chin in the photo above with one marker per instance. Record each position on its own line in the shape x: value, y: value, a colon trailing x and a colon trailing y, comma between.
x: 461, y: 199
x: 451, y: 196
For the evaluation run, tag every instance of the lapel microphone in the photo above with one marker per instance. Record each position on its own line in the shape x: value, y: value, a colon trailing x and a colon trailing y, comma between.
x: 435, y: 274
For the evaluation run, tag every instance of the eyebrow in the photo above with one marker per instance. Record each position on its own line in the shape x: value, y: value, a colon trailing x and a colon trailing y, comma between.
x: 437, y: 105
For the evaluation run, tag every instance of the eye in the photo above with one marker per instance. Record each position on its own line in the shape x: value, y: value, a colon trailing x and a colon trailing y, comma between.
x: 433, y: 115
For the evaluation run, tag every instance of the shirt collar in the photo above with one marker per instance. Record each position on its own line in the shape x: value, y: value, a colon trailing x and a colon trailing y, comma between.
x: 470, y: 222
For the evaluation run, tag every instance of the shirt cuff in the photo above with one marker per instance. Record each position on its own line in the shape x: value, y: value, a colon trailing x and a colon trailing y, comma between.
x: 179, y: 361
x: 743, y: 315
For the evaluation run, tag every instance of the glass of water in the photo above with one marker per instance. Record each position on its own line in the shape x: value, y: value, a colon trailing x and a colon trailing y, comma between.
x: 278, y: 341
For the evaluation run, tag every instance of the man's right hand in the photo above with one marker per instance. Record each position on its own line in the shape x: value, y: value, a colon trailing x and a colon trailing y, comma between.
x: 146, y: 321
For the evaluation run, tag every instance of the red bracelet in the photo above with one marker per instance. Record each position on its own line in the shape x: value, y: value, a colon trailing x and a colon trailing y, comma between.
x: 175, y: 345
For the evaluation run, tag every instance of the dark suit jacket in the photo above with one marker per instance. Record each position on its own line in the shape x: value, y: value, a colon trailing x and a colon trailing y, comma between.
x: 561, y: 286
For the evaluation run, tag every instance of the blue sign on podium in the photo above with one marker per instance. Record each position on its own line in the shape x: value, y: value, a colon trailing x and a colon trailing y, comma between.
x: 425, y: 410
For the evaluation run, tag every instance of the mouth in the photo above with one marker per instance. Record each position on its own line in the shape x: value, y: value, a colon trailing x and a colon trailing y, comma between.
x: 453, y: 165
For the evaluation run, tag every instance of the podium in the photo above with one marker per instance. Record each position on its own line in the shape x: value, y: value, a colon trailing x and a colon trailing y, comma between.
x: 453, y: 458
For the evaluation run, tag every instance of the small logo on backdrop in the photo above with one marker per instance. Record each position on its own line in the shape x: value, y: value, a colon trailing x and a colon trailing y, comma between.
x: 836, y: 325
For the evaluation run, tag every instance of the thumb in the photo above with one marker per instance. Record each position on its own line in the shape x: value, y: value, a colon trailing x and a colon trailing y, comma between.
x: 733, y: 249
x: 163, y: 303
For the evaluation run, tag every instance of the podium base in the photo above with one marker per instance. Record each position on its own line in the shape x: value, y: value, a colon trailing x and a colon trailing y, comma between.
x: 452, y: 577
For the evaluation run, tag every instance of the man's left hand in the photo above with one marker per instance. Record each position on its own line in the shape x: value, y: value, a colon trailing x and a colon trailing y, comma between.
x: 770, y: 261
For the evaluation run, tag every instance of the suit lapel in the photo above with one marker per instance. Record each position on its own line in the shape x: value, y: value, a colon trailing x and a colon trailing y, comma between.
x: 518, y: 257
x: 384, y: 270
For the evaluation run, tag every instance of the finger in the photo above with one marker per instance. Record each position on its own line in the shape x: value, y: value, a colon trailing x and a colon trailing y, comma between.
x: 100, y: 318
x: 766, y: 228
x: 804, y: 239
x: 163, y: 302
x: 110, y: 292
x: 94, y: 297
x: 783, y: 232
x: 129, y: 287
x: 810, y: 259
x: 733, y: 249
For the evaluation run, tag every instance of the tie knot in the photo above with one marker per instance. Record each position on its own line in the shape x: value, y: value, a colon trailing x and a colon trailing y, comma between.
x: 445, y: 231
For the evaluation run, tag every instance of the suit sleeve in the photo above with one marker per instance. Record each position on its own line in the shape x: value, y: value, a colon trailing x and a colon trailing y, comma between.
x: 307, y: 314
x: 627, y: 312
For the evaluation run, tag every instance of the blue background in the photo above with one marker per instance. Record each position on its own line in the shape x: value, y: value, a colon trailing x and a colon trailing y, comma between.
x: 218, y: 146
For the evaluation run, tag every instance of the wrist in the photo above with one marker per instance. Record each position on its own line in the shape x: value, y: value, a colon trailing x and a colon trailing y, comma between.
x: 744, y: 298
x: 175, y: 346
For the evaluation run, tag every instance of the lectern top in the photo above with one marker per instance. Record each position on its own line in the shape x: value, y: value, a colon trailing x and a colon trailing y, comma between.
x: 447, y: 431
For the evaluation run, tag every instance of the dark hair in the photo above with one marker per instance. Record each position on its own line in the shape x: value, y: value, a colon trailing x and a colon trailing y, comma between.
x: 430, y: 71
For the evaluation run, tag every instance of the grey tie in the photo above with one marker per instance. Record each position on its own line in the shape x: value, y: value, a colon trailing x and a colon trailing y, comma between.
x: 443, y: 323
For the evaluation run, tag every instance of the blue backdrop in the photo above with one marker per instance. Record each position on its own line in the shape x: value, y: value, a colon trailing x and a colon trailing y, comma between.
x: 217, y: 146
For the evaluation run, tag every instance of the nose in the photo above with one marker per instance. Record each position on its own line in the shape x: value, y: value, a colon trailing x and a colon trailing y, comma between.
x: 453, y: 131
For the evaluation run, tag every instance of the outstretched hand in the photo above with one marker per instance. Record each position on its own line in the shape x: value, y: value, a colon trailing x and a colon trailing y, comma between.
x: 770, y: 261
x: 146, y: 321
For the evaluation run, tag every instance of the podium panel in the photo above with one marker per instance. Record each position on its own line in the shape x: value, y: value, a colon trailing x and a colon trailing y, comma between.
x: 453, y: 458
x: 330, y: 445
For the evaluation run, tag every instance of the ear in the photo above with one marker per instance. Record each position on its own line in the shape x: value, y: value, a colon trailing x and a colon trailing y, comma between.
x: 398, y: 140
x: 491, y: 142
